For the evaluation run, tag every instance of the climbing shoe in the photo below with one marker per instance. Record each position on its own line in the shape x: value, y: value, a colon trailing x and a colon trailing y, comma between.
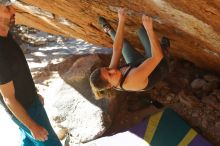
x: 148, y: 101
x: 165, y: 43
x: 104, y: 24
x: 141, y: 102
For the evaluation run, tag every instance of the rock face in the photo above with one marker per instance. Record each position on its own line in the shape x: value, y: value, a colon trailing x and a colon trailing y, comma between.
x: 71, y: 111
x: 193, y: 28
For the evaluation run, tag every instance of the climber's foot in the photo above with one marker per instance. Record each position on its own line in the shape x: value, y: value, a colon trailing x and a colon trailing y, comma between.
x: 105, y: 25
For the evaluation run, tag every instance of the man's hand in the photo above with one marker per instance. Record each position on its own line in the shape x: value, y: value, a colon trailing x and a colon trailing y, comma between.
x: 148, y: 22
x: 121, y: 14
x: 39, y: 133
x: 41, y: 98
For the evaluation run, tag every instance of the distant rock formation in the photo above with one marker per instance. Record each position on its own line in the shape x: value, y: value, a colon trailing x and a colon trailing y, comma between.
x: 193, y: 27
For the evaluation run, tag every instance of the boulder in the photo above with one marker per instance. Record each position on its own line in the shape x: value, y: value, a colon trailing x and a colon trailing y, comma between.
x: 198, y: 83
x: 68, y: 109
x: 193, y: 28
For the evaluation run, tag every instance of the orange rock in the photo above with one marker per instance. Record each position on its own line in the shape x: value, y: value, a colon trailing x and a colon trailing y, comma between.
x: 192, y: 27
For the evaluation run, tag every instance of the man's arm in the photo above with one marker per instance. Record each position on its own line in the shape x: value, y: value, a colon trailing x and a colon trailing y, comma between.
x: 118, y: 42
x: 8, y: 92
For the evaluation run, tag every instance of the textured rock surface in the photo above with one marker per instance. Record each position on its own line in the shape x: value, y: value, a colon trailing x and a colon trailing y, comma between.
x: 194, y: 28
x: 70, y: 110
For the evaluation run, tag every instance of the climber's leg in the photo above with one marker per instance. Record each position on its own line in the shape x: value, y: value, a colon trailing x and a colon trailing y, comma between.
x: 128, y: 52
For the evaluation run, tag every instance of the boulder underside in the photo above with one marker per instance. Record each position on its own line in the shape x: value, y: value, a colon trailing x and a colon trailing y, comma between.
x: 193, y: 28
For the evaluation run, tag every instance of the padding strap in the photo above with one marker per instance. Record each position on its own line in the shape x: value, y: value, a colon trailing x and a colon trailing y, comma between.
x: 124, y: 77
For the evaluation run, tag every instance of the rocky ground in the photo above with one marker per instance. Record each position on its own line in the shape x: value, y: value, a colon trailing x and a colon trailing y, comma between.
x: 192, y: 92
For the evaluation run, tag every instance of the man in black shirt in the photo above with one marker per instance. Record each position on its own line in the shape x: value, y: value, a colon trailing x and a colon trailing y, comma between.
x: 19, y: 96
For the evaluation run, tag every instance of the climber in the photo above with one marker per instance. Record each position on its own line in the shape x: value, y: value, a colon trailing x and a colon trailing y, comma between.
x: 140, y: 73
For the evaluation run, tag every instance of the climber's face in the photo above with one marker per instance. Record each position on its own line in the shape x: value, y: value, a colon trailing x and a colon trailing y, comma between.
x: 7, y: 18
x: 111, y: 75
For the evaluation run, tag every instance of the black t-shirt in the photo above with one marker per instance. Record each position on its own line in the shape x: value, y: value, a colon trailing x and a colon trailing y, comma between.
x: 14, y: 67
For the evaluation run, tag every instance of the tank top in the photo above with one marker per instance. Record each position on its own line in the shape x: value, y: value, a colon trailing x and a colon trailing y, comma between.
x: 157, y: 75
